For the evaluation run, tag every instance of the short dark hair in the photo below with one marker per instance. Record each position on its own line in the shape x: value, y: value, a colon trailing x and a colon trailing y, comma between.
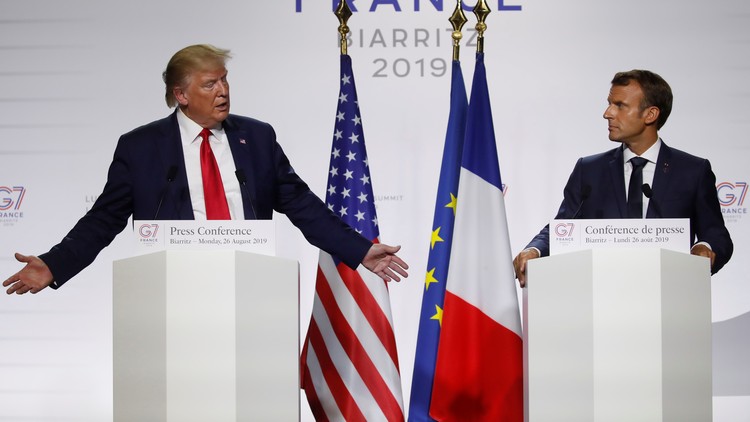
x: 656, y: 91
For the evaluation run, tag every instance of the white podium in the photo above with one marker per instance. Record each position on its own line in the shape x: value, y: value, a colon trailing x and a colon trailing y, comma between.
x: 618, y: 335
x: 206, y: 336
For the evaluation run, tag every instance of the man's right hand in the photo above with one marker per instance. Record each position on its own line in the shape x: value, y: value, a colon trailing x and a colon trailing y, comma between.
x: 34, y: 277
x: 519, y: 264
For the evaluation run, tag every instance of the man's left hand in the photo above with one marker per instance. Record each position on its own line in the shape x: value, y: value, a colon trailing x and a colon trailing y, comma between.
x: 382, y: 260
x: 703, y: 250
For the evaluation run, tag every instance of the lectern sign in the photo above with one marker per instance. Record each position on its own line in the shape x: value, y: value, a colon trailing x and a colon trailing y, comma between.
x: 257, y: 236
x: 574, y: 235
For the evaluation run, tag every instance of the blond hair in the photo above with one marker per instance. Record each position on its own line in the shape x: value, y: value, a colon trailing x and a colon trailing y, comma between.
x: 187, y: 61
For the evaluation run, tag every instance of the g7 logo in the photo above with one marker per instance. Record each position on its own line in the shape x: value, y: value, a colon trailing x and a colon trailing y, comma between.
x: 731, y: 193
x: 11, y: 197
x: 564, y: 229
x: 147, y: 231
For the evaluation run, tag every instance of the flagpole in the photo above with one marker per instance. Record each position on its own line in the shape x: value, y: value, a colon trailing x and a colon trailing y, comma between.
x: 457, y: 19
x: 481, y: 10
x: 343, y: 13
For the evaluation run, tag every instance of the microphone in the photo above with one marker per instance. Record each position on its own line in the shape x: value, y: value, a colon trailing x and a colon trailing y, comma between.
x: 243, y: 184
x: 648, y: 192
x: 585, y: 192
x: 171, y: 173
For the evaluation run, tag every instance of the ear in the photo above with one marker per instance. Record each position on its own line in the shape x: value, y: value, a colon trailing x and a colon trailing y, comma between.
x: 651, y: 114
x: 179, y: 95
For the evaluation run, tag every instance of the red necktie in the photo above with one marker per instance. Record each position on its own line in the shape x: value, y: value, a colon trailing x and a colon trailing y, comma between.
x: 213, y: 188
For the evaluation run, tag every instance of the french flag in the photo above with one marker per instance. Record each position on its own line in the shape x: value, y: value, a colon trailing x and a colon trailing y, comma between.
x: 479, y: 368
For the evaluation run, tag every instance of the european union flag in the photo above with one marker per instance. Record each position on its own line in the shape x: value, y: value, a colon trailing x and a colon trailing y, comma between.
x: 440, y: 250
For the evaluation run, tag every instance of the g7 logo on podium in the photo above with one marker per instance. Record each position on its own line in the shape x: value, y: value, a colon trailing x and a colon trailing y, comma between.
x: 731, y: 193
x: 11, y: 198
x: 148, y: 231
x: 564, y: 229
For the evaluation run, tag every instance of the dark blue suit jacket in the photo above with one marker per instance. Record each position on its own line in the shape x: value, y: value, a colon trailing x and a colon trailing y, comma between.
x: 138, y: 185
x: 684, y: 186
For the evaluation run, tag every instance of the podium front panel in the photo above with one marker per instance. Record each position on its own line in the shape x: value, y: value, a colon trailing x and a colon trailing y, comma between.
x: 618, y: 335
x: 206, y: 335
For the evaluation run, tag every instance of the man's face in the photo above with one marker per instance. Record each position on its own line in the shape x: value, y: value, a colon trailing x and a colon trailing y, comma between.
x: 205, y: 98
x: 626, y: 121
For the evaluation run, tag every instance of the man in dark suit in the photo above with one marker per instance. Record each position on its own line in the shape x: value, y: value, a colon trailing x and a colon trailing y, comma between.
x: 157, y: 173
x: 680, y: 185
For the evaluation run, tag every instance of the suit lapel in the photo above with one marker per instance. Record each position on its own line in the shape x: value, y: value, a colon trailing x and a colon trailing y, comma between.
x: 662, y: 177
x: 177, y: 203
x: 243, y: 162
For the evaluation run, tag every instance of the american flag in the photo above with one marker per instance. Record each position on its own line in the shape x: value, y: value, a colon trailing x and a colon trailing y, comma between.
x: 350, y: 365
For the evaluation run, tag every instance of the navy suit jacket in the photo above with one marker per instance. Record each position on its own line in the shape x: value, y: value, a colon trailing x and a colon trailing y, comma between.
x: 684, y: 186
x: 138, y: 185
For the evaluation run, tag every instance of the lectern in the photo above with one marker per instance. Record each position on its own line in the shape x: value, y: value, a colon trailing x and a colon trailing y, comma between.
x: 618, y: 335
x: 206, y: 336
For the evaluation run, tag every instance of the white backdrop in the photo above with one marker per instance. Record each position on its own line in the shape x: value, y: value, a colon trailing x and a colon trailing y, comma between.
x: 76, y: 74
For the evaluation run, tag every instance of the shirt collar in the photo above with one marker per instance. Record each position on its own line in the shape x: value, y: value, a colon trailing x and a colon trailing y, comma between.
x: 651, y: 154
x: 190, y: 131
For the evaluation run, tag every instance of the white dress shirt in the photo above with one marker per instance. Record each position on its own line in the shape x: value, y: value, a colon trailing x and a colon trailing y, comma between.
x: 191, y: 146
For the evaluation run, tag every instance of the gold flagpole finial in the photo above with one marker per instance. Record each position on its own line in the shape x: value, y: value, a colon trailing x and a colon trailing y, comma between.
x: 457, y: 19
x: 481, y: 10
x: 343, y: 12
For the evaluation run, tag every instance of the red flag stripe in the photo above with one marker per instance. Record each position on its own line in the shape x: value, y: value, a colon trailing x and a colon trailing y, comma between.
x: 479, y: 375
x: 344, y: 334
x: 319, y: 358
x: 370, y: 308
x: 355, y: 316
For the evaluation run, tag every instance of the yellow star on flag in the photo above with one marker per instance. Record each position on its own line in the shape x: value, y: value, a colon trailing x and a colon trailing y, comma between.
x: 435, y: 238
x: 452, y: 204
x: 438, y: 315
x: 429, y: 279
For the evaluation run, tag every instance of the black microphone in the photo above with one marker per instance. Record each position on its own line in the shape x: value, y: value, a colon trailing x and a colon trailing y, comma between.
x: 243, y: 184
x: 646, y: 188
x: 585, y: 192
x: 171, y: 173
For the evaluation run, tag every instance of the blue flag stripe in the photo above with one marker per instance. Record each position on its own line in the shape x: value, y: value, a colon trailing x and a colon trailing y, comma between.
x: 480, y: 157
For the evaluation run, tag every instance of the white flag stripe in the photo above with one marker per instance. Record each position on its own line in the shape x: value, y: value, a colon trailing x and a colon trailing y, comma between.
x: 356, y: 319
x: 480, y: 214
x: 321, y: 388
x: 378, y: 288
x: 344, y: 366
